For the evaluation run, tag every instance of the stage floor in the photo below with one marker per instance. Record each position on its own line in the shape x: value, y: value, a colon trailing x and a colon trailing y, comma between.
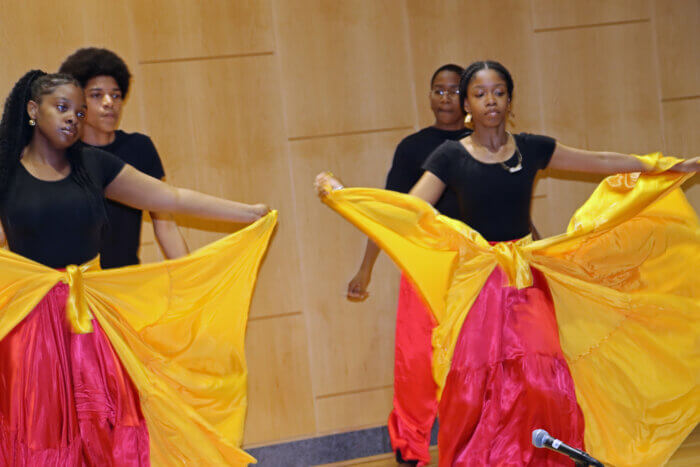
x: 688, y: 455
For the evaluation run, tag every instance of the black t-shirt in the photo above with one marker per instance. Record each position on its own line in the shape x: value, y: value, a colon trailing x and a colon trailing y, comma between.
x: 55, y: 222
x: 492, y: 200
x: 122, y: 236
x: 407, y: 167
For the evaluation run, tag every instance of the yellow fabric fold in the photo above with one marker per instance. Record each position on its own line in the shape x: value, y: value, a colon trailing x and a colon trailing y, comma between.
x: 77, y: 310
x: 624, y: 287
x: 178, y: 327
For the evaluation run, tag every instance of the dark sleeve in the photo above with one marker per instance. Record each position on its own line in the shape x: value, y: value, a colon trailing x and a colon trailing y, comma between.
x: 539, y: 149
x: 401, y: 176
x: 149, y: 158
x: 441, y: 161
x: 102, y: 166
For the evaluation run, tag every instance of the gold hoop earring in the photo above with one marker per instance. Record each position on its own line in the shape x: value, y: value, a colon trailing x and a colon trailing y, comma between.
x: 468, y: 118
x: 32, y: 122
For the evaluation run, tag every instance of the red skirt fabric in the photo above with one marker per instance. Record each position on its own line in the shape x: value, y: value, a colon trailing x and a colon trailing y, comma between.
x: 65, y: 398
x: 508, y: 377
x: 415, y: 391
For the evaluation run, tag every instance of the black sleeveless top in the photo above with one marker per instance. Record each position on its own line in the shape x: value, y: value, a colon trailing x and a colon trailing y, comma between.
x: 492, y: 200
x: 54, y: 222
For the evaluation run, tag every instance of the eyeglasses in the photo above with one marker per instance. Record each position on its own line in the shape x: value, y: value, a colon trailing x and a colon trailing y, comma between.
x: 450, y: 93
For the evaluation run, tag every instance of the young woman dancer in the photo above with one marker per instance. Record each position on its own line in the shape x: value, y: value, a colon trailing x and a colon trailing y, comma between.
x: 498, y: 357
x: 65, y: 397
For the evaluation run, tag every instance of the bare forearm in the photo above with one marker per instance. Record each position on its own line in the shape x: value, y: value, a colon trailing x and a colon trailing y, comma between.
x: 198, y: 204
x: 371, y: 254
x: 140, y: 191
x: 602, y: 162
x: 168, y: 236
x: 615, y: 162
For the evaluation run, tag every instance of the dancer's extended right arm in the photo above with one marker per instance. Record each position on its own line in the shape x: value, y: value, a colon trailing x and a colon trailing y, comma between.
x: 140, y: 191
x: 429, y: 188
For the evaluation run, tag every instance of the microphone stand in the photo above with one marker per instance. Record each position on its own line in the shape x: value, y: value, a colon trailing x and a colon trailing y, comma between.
x: 586, y: 464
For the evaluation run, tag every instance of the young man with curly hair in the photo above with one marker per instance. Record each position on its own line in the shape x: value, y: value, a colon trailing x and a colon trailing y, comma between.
x: 105, y: 79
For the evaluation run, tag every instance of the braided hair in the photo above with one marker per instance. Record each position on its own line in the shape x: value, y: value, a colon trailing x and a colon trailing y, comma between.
x: 16, y: 133
x: 475, y: 67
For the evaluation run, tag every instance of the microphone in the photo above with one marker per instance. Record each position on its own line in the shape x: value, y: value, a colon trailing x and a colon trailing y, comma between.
x: 541, y: 439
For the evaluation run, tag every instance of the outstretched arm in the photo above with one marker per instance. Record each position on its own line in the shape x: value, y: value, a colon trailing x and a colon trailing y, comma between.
x: 429, y: 188
x: 141, y: 191
x: 168, y: 235
x: 580, y: 160
x: 357, y: 288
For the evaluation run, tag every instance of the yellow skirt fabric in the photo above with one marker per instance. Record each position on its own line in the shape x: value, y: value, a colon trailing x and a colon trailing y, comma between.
x: 178, y: 328
x: 625, y: 287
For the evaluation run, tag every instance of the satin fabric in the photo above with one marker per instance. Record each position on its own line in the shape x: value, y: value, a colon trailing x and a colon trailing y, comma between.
x: 625, y: 298
x: 508, y: 377
x: 65, y: 398
x: 177, y: 327
x: 415, y: 403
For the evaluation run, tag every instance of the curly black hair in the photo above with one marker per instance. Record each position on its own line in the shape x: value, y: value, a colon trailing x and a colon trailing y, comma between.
x: 85, y: 64
x: 16, y: 133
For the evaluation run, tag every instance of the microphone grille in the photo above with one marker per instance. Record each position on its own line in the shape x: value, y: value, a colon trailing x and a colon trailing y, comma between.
x: 538, y: 437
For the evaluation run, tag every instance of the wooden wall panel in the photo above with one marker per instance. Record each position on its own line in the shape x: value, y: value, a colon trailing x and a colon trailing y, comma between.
x: 342, y: 64
x: 597, y: 101
x: 177, y: 29
x: 279, y: 386
x: 683, y: 139
x: 601, y: 101
x: 217, y: 126
x: 678, y: 38
x: 351, y: 344
x: 354, y: 410
x: 541, y: 216
x: 677, y: 26
x: 549, y: 14
x: 462, y: 32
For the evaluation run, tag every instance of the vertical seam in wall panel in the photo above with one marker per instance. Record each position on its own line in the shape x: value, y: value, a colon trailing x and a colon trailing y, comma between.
x: 136, y: 53
x: 411, y: 66
x: 295, y: 207
x: 657, y: 72
x: 540, y: 101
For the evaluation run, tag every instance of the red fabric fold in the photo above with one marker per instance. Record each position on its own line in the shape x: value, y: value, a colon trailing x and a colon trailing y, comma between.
x: 65, y: 398
x: 415, y: 402
x: 508, y: 377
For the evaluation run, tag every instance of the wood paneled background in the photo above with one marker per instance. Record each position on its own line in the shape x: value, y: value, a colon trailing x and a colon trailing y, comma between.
x: 248, y: 99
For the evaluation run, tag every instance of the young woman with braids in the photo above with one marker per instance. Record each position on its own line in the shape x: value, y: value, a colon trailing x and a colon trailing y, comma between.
x: 65, y: 398
x: 502, y: 370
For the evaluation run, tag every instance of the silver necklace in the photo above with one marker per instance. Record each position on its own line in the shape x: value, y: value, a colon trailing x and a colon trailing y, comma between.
x: 517, y: 167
